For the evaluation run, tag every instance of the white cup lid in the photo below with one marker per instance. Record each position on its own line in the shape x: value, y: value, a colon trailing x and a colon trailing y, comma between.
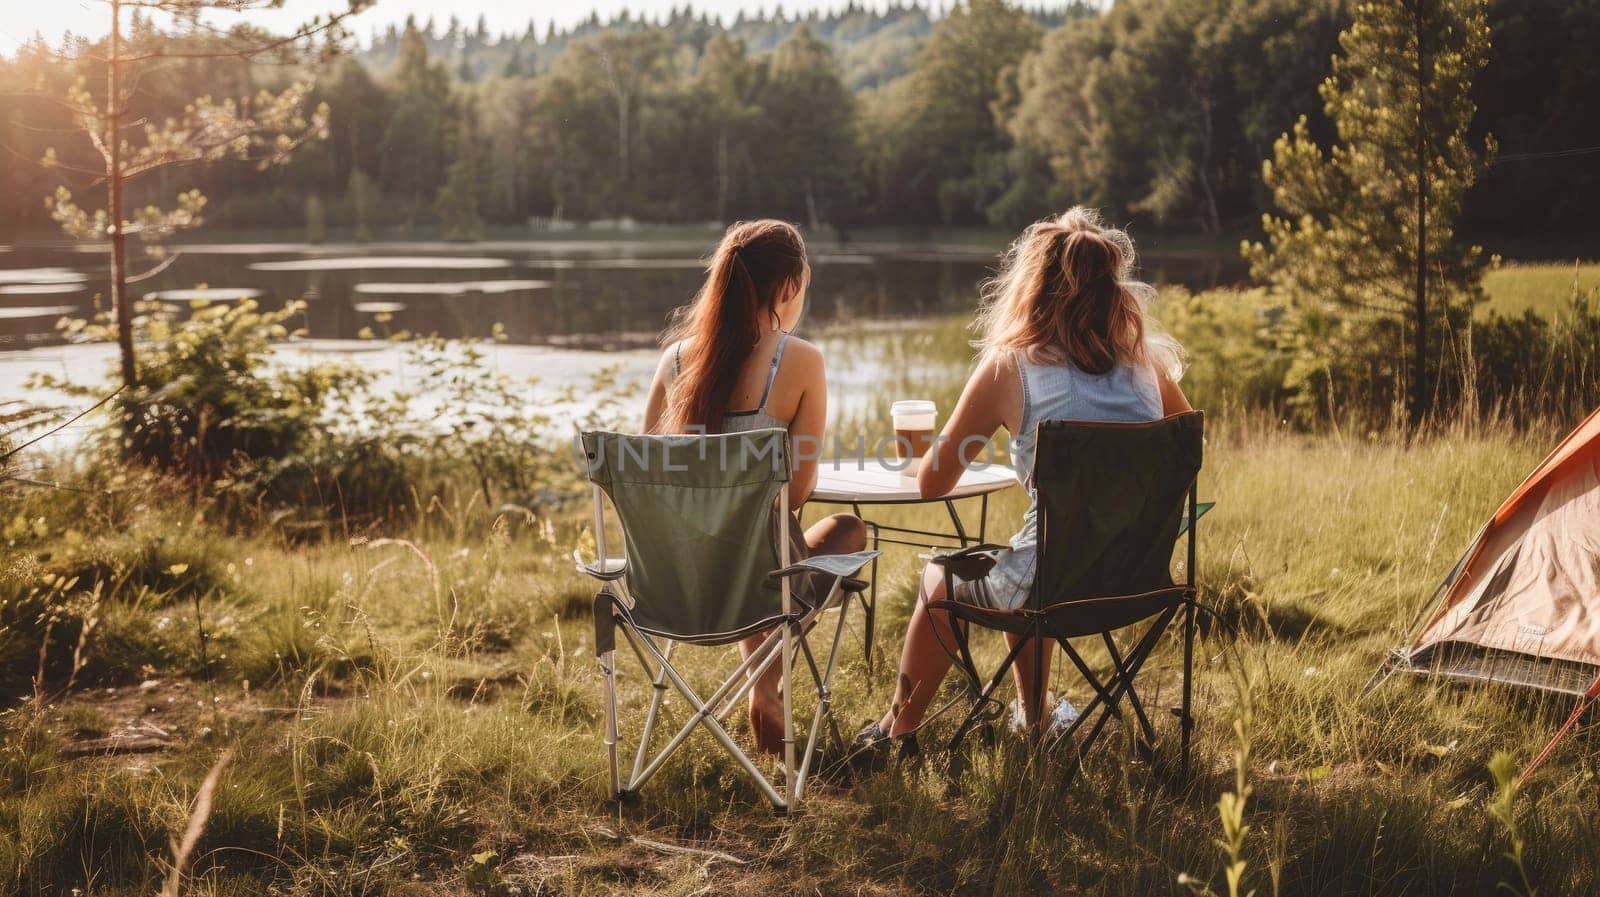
x: 908, y: 407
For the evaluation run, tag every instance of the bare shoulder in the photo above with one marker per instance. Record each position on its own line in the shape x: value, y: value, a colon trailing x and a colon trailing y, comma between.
x: 996, y: 387
x: 996, y: 373
x: 668, y: 364
x: 805, y: 356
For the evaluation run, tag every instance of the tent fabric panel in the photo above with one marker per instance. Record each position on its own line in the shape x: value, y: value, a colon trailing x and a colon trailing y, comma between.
x: 1585, y: 438
x: 1581, y: 447
x: 1534, y: 576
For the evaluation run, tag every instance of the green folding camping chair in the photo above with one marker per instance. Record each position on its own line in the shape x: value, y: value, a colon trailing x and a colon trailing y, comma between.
x: 1112, y: 501
x: 705, y: 525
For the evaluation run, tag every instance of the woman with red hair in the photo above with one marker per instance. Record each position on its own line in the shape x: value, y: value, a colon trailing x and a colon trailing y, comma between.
x: 731, y: 365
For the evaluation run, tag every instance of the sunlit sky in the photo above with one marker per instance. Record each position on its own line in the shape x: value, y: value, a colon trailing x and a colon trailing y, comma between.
x: 20, y: 19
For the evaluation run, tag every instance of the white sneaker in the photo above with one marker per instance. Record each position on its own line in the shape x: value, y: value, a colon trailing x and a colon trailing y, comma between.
x: 1062, y: 715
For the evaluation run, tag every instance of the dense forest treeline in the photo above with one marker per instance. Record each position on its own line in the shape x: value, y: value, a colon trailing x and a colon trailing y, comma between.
x: 1160, y: 111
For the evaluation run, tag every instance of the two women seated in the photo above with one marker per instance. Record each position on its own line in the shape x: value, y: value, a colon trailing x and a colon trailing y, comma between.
x: 1063, y: 336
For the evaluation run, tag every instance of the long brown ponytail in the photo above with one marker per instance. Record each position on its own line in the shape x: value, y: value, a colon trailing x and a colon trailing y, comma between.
x: 756, y: 264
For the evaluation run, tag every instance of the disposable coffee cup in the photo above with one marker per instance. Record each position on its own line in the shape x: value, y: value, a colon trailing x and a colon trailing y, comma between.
x: 913, y: 427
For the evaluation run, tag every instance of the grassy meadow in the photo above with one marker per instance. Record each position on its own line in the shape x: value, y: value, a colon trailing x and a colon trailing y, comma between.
x: 1538, y: 287
x: 413, y: 707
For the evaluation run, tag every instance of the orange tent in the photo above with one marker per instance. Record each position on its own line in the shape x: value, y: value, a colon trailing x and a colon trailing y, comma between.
x: 1523, y: 605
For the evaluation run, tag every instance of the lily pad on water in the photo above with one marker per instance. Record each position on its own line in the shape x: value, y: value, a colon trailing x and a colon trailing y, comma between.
x: 40, y: 289
x: 450, y: 289
x: 36, y: 311
x: 337, y: 347
x: 209, y: 294
x: 378, y: 308
x: 384, y: 263
x: 656, y: 264
x: 41, y: 275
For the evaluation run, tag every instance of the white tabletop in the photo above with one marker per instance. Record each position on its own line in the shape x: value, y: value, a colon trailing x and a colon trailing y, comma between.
x: 869, y: 481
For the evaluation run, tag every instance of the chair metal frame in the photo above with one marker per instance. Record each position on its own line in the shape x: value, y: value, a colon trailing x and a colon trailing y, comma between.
x: 787, y: 635
x: 1036, y: 622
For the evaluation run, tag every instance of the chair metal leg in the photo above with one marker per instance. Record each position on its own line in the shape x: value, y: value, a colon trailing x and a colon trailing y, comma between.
x: 824, y: 704
x: 703, y: 716
x: 608, y: 667
x: 869, y: 602
x: 658, y: 694
x: 1130, y: 694
x: 983, y: 697
x: 1118, y: 686
x: 1185, y: 717
x: 1038, y: 677
x: 730, y: 692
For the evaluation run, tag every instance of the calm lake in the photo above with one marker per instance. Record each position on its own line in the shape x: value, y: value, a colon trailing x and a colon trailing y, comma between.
x: 568, y: 305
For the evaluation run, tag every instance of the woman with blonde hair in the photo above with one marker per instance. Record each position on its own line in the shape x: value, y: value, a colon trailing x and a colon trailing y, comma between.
x: 1064, y: 337
x: 730, y: 366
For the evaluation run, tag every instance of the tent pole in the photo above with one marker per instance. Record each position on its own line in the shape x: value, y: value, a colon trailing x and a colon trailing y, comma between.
x: 1583, y: 704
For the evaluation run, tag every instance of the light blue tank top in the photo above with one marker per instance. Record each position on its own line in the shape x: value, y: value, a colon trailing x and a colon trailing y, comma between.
x: 1127, y: 393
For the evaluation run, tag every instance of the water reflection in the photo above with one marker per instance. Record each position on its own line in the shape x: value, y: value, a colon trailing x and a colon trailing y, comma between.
x: 598, y: 294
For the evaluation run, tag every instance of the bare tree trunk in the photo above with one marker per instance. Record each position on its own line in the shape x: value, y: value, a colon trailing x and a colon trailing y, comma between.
x: 119, y: 242
x: 1419, y: 378
x: 1213, y: 222
x: 722, y: 173
x: 623, y: 99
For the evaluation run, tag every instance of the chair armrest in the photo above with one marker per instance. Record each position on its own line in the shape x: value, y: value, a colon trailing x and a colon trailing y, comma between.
x: 1200, y: 510
x: 608, y: 570
x: 969, y: 563
x: 830, y: 564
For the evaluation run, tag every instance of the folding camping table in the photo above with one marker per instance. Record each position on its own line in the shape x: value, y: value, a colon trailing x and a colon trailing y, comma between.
x: 859, y: 482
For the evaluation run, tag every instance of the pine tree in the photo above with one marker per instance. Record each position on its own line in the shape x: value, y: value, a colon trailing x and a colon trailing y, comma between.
x: 361, y: 194
x: 316, y: 220
x: 513, y: 67
x: 1366, y: 243
x: 456, y: 203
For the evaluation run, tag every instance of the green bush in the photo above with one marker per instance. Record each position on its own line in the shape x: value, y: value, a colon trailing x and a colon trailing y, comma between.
x: 1314, y: 366
x: 320, y: 449
x: 205, y: 399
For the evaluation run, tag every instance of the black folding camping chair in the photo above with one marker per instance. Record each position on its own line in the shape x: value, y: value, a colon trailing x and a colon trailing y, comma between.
x: 1112, y: 501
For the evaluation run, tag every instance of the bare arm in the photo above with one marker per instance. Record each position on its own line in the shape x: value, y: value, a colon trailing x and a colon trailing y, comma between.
x: 655, y: 404
x: 810, y: 418
x: 992, y: 399
x: 1173, y: 401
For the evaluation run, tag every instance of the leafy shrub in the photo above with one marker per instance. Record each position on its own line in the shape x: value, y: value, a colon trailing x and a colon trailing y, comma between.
x: 316, y: 449
x: 206, y: 399
x: 1312, y: 365
x: 1529, y: 367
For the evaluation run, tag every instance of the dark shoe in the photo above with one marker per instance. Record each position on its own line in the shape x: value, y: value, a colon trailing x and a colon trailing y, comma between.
x: 872, y: 749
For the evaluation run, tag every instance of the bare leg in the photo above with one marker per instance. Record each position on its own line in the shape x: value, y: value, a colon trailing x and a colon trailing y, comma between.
x: 838, y: 534
x: 1032, y: 699
x: 924, y: 660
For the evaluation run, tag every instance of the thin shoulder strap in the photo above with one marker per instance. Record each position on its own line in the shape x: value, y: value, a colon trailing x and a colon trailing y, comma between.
x: 772, y: 372
x: 677, y: 359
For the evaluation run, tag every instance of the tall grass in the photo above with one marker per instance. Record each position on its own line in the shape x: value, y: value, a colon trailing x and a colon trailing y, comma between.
x: 411, y: 706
